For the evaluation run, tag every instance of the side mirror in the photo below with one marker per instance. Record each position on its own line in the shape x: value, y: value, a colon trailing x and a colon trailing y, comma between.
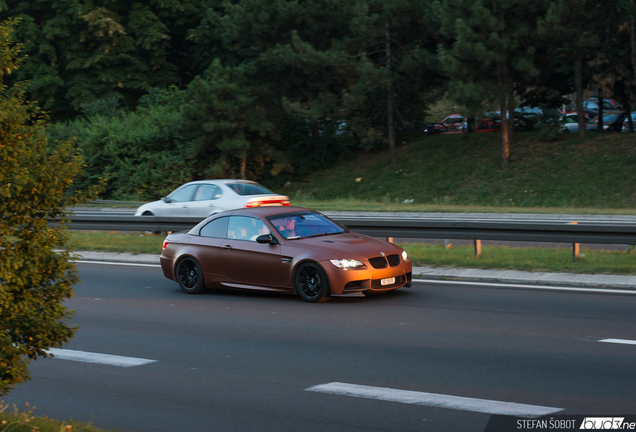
x: 165, y: 199
x: 266, y: 238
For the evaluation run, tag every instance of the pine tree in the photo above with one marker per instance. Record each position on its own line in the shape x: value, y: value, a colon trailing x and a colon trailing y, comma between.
x: 226, y: 120
x: 491, y: 46
x: 570, y: 26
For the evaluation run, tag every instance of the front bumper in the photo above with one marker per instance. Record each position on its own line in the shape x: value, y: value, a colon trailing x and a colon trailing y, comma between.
x: 367, y: 279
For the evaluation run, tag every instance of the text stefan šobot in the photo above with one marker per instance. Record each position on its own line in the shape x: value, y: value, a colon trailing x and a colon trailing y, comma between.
x: 588, y: 423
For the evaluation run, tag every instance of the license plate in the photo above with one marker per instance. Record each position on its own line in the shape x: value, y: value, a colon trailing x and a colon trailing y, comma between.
x: 387, y: 281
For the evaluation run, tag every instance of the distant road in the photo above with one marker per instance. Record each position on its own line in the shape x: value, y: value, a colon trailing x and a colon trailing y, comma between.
x: 232, y: 361
x: 620, y: 220
x: 518, y: 217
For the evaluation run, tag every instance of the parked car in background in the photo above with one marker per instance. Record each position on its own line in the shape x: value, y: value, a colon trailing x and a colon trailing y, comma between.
x: 207, y: 197
x: 614, y: 103
x: 626, y: 122
x: 612, y: 121
x: 453, y: 123
x: 292, y: 250
x: 432, y: 128
x: 591, y: 107
x: 571, y: 122
x: 528, y: 111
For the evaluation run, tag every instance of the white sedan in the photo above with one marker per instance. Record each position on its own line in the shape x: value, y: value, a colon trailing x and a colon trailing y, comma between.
x: 571, y: 122
x: 207, y: 197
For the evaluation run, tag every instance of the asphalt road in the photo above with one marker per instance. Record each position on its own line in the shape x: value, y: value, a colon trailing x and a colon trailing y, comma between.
x: 243, y: 361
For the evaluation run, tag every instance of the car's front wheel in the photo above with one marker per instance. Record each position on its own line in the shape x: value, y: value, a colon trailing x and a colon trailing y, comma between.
x: 190, y: 276
x: 311, y: 283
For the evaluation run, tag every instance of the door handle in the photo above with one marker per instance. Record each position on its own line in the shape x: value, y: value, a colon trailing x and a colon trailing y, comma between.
x: 227, y: 247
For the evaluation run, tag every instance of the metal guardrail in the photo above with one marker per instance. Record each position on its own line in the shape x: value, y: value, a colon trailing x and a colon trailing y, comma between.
x: 588, y: 232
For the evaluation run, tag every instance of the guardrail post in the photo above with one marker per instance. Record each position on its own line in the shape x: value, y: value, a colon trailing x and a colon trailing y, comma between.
x: 576, y: 247
x: 477, y: 248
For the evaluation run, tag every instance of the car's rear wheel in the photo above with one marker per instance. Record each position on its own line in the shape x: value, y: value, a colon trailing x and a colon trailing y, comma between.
x: 190, y: 276
x: 311, y: 283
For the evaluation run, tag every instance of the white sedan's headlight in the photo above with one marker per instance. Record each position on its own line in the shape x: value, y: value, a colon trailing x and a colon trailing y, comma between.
x: 404, y: 255
x: 347, y: 263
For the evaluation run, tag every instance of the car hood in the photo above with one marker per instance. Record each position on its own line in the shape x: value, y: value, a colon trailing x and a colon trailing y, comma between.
x: 148, y: 206
x: 347, y: 245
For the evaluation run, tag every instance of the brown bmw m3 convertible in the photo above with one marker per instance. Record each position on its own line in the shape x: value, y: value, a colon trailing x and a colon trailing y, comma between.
x: 284, y: 249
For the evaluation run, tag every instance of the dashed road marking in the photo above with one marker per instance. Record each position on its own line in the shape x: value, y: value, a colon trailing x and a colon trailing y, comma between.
x: 434, y: 400
x: 619, y: 341
x: 89, y: 357
x: 531, y: 287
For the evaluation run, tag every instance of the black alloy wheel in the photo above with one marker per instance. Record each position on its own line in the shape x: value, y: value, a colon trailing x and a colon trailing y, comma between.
x: 311, y: 283
x: 190, y: 277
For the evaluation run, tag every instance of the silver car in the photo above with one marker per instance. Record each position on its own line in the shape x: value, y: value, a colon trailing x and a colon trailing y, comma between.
x: 207, y: 197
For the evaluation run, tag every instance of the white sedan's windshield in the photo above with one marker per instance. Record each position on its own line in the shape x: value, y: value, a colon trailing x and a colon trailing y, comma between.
x: 247, y: 188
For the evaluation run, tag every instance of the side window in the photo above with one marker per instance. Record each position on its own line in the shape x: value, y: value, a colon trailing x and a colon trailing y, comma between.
x: 245, y: 228
x: 207, y: 192
x: 183, y: 194
x: 216, y: 228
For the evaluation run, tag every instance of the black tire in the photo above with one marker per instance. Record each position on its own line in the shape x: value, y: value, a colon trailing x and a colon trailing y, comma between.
x: 311, y: 283
x: 190, y: 276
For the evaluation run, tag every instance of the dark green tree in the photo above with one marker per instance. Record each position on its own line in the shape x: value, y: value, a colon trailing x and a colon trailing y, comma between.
x: 228, y: 123
x: 491, y: 47
x: 80, y: 52
x: 330, y: 60
x: 570, y: 27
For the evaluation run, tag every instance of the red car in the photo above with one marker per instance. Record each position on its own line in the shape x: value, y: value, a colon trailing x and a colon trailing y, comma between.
x: 291, y: 250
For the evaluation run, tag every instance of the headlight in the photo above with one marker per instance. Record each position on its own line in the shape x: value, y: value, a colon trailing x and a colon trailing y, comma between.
x: 347, y: 263
x: 404, y: 255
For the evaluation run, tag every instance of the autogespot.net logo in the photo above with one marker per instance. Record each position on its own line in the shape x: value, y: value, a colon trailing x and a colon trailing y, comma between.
x: 607, y: 423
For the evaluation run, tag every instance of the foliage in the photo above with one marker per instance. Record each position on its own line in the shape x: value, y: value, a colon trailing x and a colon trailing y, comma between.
x: 229, y: 123
x: 261, y: 87
x: 35, y: 176
x: 141, y: 154
x: 16, y: 420
x: 81, y: 52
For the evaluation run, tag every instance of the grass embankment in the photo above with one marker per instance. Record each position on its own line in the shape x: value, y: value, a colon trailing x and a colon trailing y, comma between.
x: 596, y: 175
x: 450, y: 173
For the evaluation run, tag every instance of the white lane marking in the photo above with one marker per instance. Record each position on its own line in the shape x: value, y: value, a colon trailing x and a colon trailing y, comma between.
x: 117, y: 263
x: 89, y: 357
x: 434, y: 400
x: 536, y: 287
x: 619, y: 341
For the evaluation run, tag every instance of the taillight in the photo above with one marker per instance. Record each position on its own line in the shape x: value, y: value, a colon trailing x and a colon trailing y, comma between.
x: 165, y: 243
x: 283, y: 202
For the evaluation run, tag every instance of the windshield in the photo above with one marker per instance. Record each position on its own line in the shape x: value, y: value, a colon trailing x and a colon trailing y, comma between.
x: 248, y: 188
x: 303, y: 225
x: 608, y: 118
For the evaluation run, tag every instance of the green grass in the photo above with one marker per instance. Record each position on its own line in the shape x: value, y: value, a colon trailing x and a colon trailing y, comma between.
x: 105, y: 241
x: 591, y: 261
x: 596, y: 175
x: 493, y: 257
